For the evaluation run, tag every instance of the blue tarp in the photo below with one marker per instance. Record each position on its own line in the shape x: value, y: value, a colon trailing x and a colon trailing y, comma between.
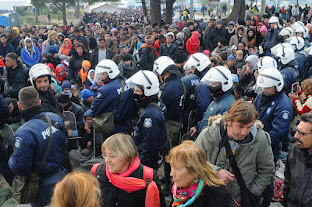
x: 4, y: 21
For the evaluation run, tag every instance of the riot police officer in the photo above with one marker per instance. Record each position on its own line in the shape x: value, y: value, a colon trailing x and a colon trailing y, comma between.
x: 31, y: 145
x: 114, y: 95
x: 150, y: 131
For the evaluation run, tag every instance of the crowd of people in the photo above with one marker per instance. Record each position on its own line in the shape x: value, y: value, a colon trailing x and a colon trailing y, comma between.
x: 238, y: 92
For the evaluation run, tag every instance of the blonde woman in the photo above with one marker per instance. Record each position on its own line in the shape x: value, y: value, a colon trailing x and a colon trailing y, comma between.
x: 121, y: 177
x: 77, y: 189
x: 194, y: 181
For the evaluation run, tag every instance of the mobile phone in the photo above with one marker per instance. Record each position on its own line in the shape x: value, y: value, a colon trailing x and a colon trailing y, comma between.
x: 294, y: 87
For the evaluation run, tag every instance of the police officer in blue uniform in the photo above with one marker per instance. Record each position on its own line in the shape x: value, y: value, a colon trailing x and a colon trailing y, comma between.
x: 109, y: 94
x: 199, y: 64
x: 274, y: 108
x: 297, y: 44
x: 172, y: 94
x: 219, y: 81
x: 150, y: 134
x: 31, y: 141
x: 288, y: 67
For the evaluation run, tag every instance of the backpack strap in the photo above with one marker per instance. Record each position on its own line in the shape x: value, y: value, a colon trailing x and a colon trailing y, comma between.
x: 94, y: 168
x: 147, y: 174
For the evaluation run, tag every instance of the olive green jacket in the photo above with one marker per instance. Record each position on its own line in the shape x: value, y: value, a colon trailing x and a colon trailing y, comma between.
x: 254, y: 159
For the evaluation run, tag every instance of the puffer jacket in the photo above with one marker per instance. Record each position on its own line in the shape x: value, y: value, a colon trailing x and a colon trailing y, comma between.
x: 235, y: 40
x: 255, y: 159
x: 298, y: 185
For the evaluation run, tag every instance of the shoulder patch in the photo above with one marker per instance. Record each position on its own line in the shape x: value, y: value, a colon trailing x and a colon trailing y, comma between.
x: 285, y: 114
x: 18, y: 142
x: 148, y: 122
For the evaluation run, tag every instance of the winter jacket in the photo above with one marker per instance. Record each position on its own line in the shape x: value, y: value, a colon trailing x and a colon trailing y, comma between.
x: 276, y: 113
x: 113, y: 196
x: 95, y: 56
x: 223, y: 52
x: 147, y: 57
x: 271, y: 39
x: 254, y: 159
x: 108, y: 98
x: 28, y: 59
x: 297, y: 184
x: 12, y: 87
x: 4, y: 111
x: 216, y: 35
x: 127, y: 71
x: 49, y: 103
x: 207, y: 34
x: 167, y: 51
x: 214, y: 196
x: 172, y: 95
x: 218, y: 106
x: 235, y: 40
x: 5, y: 50
x: 304, y: 107
x: 31, y: 139
x: 75, y: 64
x: 151, y: 134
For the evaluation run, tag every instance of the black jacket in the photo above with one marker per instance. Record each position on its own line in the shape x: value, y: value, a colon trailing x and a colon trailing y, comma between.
x: 75, y: 64
x: 113, y: 196
x: 298, y: 178
x: 95, y: 56
x: 167, y: 51
x: 216, y: 35
x: 49, y: 103
x: 16, y: 81
x: 147, y: 57
x: 92, y: 43
x: 214, y: 196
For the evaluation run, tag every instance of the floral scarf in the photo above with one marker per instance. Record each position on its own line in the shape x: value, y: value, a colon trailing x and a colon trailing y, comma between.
x: 186, y: 196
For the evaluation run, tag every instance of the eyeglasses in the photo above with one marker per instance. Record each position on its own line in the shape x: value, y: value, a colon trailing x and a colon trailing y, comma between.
x: 109, y: 156
x: 301, y: 134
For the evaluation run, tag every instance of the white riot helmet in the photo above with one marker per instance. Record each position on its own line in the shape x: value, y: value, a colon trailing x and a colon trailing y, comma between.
x: 273, y: 20
x: 147, y: 79
x: 299, y: 27
x: 277, y: 48
x: 39, y: 70
x: 287, y: 31
x: 297, y: 42
x: 266, y: 62
x: 219, y: 74
x: 106, y: 66
x: 198, y: 60
x: 287, y: 55
x: 270, y: 77
x: 161, y: 64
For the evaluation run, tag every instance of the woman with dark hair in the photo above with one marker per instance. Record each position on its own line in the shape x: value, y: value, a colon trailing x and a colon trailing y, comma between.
x: 75, y: 62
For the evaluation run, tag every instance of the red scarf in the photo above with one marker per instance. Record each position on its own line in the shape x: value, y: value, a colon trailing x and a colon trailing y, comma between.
x: 131, y: 184
x: 194, y: 40
x: 59, y: 78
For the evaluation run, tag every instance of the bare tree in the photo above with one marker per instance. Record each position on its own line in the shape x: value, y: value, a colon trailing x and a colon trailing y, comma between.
x: 144, y: 8
x: 169, y: 10
x: 155, y: 10
x: 238, y: 11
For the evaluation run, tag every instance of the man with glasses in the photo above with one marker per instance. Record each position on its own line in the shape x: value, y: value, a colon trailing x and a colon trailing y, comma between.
x: 298, y: 170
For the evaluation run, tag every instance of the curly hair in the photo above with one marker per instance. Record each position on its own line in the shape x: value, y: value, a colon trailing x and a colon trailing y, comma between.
x: 306, y: 86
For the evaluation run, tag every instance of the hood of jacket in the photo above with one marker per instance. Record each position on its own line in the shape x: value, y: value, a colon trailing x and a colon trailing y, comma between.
x: 240, y: 27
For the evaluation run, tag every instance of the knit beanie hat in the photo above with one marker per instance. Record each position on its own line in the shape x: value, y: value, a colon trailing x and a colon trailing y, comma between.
x: 231, y: 57
x: 63, y: 98
x: 263, y: 28
x: 180, y: 25
x: 66, y: 84
x: 180, y: 57
x: 85, y: 94
x: 219, y: 21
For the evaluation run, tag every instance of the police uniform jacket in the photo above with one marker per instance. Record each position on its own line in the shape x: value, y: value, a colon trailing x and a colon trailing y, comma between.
x: 172, y: 94
x: 31, y: 141
x: 108, y: 98
x: 150, y: 134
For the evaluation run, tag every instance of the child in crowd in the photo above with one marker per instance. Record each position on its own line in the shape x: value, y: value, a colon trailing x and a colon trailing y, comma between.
x: 83, y: 74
